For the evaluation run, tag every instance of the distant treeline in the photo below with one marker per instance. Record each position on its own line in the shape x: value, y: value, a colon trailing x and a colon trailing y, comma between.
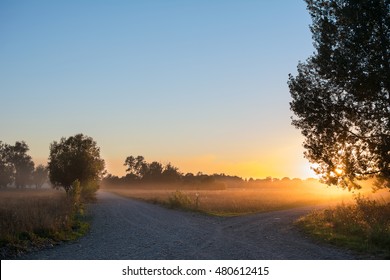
x: 140, y: 171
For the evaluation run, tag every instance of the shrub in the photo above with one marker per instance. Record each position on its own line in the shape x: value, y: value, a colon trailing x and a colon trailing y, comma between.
x: 180, y: 200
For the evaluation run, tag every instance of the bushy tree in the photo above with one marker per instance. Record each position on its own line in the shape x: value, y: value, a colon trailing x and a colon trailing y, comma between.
x: 341, y: 94
x: 16, y: 165
x: 76, y: 158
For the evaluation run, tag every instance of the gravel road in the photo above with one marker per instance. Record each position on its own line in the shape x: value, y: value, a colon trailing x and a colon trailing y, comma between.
x: 125, y: 229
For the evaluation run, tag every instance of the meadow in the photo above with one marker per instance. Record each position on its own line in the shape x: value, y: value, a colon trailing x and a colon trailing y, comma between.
x: 238, y: 198
x: 31, y: 218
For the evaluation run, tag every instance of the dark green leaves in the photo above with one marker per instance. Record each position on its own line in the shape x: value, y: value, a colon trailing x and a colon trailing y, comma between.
x: 75, y: 158
x: 340, y: 96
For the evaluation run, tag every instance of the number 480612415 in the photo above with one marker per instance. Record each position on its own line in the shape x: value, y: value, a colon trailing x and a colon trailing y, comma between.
x: 223, y: 270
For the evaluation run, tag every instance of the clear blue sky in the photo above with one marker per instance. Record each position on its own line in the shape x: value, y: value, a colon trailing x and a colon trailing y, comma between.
x: 202, y: 84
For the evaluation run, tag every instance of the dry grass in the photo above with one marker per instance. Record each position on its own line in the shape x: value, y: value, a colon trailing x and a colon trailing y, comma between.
x: 363, y: 226
x: 30, y: 217
x: 239, y: 200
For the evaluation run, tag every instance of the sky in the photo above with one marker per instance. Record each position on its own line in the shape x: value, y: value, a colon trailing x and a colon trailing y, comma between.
x: 201, y: 84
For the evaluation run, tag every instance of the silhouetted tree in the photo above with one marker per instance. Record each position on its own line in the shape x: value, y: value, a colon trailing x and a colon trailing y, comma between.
x: 130, y: 163
x: 152, y: 171
x: 40, y: 176
x: 6, y: 168
x: 23, y: 165
x: 75, y: 158
x: 136, y: 166
x: 341, y: 94
x: 140, y: 170
x: 171, y: 173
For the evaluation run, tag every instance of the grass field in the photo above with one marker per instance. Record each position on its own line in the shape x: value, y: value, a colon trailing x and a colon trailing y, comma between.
x: 34, y: 218
x: 238, y: 200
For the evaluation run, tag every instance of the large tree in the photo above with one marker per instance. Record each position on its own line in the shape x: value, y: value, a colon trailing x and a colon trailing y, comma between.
x: 341, y: 94
x: 75, y: 158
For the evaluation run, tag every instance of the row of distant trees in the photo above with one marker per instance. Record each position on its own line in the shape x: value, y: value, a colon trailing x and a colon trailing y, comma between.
x: 17, y: 167
x: 157, y: 173
x: 140, y: 171
x: 199, y: 179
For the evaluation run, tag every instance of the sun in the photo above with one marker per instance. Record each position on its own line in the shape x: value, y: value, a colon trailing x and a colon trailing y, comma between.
x: 339, y: 171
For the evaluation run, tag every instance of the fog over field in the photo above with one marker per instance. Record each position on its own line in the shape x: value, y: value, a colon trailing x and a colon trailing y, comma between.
x: 237, y: 197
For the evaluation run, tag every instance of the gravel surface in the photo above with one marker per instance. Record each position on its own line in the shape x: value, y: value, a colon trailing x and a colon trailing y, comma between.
x: 125, y: 229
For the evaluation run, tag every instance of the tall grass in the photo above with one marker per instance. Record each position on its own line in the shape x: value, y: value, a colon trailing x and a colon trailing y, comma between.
x: 363, y: 226
x: 36, y: 217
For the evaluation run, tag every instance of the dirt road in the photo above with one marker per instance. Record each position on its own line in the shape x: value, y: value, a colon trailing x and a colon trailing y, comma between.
x: 129, y: 229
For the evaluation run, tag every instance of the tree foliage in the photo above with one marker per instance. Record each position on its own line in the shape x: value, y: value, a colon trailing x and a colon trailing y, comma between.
x: 136, y: 166
x: 6, y: 168
x: 341, y: 94
x: 75, y: 158
x: 138, y: 169
x: 16, y: 166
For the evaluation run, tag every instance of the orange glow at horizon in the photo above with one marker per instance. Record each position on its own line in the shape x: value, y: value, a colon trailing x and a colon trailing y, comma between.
x: 209, y: 164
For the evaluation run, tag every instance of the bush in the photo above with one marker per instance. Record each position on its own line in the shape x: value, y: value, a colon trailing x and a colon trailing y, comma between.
x: 180, y: 200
